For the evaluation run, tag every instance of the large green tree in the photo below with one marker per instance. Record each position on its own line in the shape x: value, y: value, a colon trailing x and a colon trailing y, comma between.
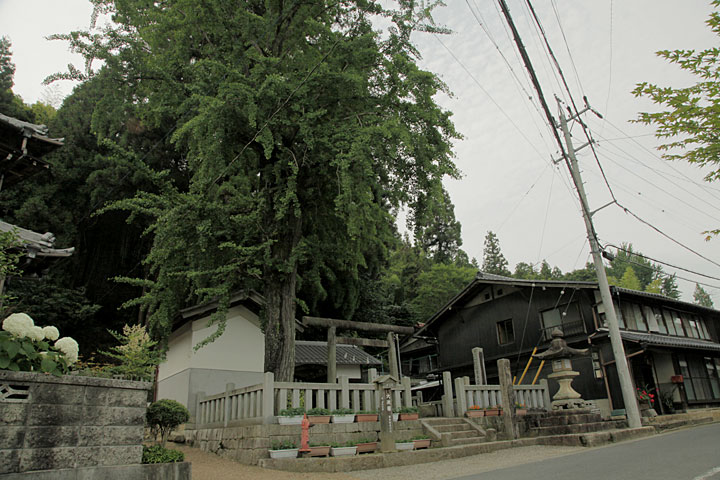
x: 702, y: 297
x: 302, y: 128
x: 689, y: 119
x: 493, y: 259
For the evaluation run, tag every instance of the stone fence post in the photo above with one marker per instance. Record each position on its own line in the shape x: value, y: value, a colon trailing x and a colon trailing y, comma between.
x: 199, y: 410
x: 507, y: 391
x: 229, y: 387
x: 479, y: 366
x: 547, y: 403
x: 447, y: 398
x: 407, y: 401
x: 268, y: 398
x: 344, y: 392
x: 460, y: 397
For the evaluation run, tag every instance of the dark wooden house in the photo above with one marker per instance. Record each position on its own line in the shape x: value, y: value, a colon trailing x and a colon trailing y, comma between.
x: 508, y: 318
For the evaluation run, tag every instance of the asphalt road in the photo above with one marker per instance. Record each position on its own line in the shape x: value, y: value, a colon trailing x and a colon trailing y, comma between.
x: 689, y: 454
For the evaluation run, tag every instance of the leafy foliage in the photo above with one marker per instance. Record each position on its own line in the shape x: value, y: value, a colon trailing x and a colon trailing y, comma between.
x: 24, y: 354
x: 165, y: 415
x: 137, y: 354
x: 9, y: 257
x: 160, y: 454
x: 690, y: 117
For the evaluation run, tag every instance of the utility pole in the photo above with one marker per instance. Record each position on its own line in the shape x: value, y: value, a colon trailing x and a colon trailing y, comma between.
x: 626, y: 385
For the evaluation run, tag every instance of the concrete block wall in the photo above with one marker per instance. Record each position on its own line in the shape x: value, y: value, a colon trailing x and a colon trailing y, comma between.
x: 49, y: 422
x: 249, y: 444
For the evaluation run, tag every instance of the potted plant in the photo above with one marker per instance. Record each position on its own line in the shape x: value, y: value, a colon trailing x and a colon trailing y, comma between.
x: 421, y: 441
x: 346, y: 449
x: 520, y: 409
x: 493, y: 411
x: 291, y: 416
x: 319, y: 450
x: 408, y: 413
x: 283, y: 449
x: 343, y: 415
x: 404, y: 445
x: 366, y: 446
x: 474, y: 411
x: 366, y: 416
x: 318, y: 415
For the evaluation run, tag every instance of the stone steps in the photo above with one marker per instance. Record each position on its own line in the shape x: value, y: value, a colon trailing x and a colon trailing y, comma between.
x: 452, y: 428
x: 453, y: 431
x: 455, y: 441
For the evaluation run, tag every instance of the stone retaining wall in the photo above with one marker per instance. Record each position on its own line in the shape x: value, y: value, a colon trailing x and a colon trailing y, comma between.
x: 49, y: 422
x: 251, y: 443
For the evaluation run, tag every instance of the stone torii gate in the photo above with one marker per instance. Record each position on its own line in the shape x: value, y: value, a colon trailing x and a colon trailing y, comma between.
x: 333, y: 324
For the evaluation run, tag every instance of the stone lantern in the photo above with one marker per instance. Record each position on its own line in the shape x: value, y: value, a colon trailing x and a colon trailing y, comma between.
x: 560, y: 354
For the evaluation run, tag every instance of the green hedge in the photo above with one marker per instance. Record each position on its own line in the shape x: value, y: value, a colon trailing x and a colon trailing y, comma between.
x: 158, y: 454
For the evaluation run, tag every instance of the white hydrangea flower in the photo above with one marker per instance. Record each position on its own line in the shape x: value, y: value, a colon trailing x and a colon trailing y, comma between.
x: 69, y: 347
x: 51, y: 333
x: 18, y: 324
x: 36, y: 333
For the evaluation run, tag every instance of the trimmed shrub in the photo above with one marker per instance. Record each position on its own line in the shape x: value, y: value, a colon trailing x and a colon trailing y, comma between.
x: 159, y: 454
x: 165, y: 415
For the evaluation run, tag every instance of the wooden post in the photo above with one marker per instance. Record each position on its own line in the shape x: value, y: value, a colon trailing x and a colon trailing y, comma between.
x: 507, y: 392
x: 460, y: 397
x: 448, y: 395
x: 392, y: 356
x: 547, y: 403
x: 229, y: 387
x: 332, y: 356
x: 479, y: 364
x: 268, y: 398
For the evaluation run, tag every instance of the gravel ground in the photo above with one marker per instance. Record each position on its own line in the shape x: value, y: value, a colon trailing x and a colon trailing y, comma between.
x: 207, y: 466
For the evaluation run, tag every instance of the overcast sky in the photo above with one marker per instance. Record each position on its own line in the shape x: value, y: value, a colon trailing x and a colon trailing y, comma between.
x: 510, y: 185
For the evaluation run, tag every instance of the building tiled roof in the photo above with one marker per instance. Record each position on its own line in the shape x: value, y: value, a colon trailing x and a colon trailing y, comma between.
x: 316, y: 353
x: 669, y: 341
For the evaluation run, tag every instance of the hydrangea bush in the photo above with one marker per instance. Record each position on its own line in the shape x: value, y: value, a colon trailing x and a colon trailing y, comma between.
x: 27, y: 347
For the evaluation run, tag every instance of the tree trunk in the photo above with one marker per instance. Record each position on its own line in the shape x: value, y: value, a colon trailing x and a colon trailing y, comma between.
x: 280, y: 305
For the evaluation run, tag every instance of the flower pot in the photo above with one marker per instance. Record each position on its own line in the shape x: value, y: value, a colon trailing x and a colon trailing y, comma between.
x: 521, y: 411
x: 317, y: 419
x: 404, y: 445
x: 321, y: 451
x: 422, y: 443
x: 408, y: 416
x: 475, y: 413
x: 366, y: 417
x: 343, y: 418
x: 343, y: 451
x: 492, y: 412
x: 396, y: 417
x: 368, y: 447
x: 288, y: 453
x: 293, y: 420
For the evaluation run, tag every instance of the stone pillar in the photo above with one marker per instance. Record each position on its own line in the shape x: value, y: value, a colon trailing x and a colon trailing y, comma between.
x: 546, y: 394
x: 268, y: 398
x: 508, y: 398
x: 384, y: 386
x: 198, y: 415
x: 332, y: 356
x: 479, y: 366
x: 447, y: 398
x: 229, y: 387
x: 392, y: 356
x: 407, y: 401
x: 344, y: 392
x: 460, y: 397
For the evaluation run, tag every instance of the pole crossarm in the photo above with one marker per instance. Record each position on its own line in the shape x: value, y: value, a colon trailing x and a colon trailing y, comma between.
x: 350, y: 325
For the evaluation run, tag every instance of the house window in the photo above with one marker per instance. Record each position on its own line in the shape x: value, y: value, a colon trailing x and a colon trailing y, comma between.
x: 566, y: 317
x: 657, y: 313
x: 597, y: 368
x: 505, y: 332
x: 633, y: 316
x: 701, y: 377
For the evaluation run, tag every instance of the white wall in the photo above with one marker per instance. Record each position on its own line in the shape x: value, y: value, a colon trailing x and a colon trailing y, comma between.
x: 241, y: 347
x: 350, y: 371
x: 177, y: 358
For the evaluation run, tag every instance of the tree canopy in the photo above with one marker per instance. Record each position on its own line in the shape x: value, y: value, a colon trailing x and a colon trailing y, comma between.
x: 302, y: 130
x: 493, y: 259
x: 689, y: 119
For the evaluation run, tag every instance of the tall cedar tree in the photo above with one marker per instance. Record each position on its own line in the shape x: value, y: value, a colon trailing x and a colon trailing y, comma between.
x: 701, y: 297
x: 302, y: 128
x: 493, y: 259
